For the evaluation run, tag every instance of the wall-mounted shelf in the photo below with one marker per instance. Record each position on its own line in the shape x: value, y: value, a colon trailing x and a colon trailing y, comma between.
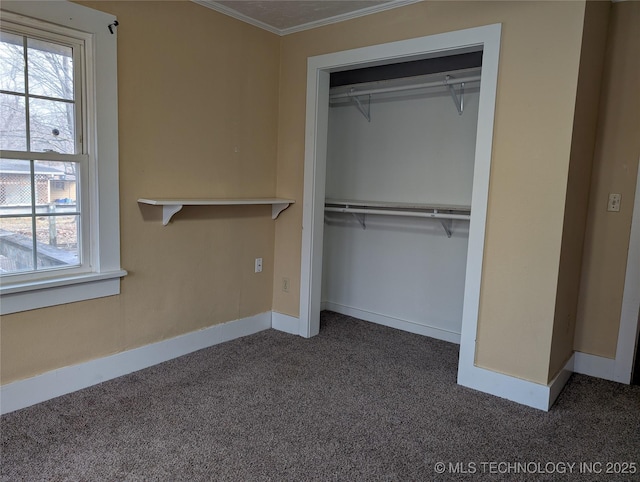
x: 172, y: 206
x: 445, y: 213
x: 449, y: 81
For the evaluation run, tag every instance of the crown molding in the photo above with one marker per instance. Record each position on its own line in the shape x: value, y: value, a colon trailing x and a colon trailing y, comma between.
x: 237, y: 15
x: 348, y: 16
x: 306, y: 26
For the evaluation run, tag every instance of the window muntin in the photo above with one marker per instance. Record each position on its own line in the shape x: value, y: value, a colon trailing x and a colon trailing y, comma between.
x: 44, y: 167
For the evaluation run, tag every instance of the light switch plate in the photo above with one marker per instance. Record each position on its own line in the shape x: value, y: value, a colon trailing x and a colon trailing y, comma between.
x: 614, y: 203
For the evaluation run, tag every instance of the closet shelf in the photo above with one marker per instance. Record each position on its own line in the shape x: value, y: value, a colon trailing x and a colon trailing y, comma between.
x: 172, y: 206
x: 448, y: 82
x: 445, y: 213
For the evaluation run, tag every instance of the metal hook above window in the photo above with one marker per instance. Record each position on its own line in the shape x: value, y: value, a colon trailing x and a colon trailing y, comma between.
x: 113, y: 25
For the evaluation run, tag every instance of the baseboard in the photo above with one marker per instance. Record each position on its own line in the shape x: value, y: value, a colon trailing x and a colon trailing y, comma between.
x: 518, y: 390
x: 286, y: 323
x: 594, y: 366
x: 404, y: 325
x: 24, y: 393
x: 505, y: 386
x: 560, y: 380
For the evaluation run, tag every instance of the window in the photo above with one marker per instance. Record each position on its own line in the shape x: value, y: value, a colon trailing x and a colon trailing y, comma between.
x: 59, y: 226
x: 41, y: 136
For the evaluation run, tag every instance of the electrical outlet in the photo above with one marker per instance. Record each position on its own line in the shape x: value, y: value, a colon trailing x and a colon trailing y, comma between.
x: 258, y: 265
x: 614, y: 203
x: 285, y: 285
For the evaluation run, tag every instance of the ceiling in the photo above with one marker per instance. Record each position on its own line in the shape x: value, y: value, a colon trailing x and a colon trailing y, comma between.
x: 285, y: 17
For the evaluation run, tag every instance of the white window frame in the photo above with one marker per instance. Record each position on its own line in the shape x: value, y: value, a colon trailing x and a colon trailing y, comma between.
x: 101, y: 128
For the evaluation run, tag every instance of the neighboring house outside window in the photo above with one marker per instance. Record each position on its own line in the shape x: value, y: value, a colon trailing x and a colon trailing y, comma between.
x: 55, y: 195
x: 59, y: 226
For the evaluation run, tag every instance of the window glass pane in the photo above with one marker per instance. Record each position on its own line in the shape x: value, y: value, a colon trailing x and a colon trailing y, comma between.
x: 15, y: 187
x: 13, y: 123
x: 52, y: 126
x: 57, y: 241
x: 11, y: 62
x: 56, y: 187
x: 16, y: 245
x: 50, y: 69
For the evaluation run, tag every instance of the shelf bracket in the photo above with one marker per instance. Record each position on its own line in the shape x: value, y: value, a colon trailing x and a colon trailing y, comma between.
x: 168, y: 210
x: 446, y: 225
x: 361, y: 219
x: 277, y: 208
x: 365, y: 112
x: 458, y: 102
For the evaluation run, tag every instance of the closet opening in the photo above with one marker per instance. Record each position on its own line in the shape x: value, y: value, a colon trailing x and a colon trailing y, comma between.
x: 399, y: 174
x: 405, y: 195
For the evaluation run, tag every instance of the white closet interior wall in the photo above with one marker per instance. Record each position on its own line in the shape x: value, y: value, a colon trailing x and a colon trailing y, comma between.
x: 400, y: 271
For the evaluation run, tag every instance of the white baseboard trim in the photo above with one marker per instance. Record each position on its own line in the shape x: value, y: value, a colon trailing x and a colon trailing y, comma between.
x: 515, y: 389
x: 594, y: 366
x: 286, y: 323
x: 24, y: 393
x: 410, y: 326
x: 52, y: 384
x: 561, y: 379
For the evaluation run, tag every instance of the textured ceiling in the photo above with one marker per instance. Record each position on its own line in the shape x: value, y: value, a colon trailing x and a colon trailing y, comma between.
x: 286, y: 16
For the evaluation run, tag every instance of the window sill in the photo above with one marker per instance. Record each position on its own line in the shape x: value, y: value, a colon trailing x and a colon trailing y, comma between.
x: 58, y: 291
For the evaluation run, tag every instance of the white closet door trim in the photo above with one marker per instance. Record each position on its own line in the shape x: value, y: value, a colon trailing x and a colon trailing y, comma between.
x: 318, y: 72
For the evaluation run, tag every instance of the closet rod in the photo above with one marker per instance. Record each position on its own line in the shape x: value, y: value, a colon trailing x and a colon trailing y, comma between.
x: 384, y: 212
x: 382, y: 90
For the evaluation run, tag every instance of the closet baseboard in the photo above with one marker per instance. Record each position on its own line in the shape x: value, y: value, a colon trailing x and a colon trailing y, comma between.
x: 594, y: 366
x: 409, y: 326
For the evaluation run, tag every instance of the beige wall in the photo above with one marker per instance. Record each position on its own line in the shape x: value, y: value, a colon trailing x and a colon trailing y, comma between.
x: 537, y: 82
x: 614, y: 171
x: 594, y: 38
x: 197, y: 103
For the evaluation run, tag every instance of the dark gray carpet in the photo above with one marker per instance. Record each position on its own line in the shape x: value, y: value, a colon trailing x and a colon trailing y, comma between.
x: 358, y: 402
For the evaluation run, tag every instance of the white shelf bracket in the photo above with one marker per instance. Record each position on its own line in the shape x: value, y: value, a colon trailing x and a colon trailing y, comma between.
x: 276, y: 209
x: 365, y: 112
x: 361, y: 219
x: 168, y: 210
x: 446, y: 225
x: 458, y: 102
